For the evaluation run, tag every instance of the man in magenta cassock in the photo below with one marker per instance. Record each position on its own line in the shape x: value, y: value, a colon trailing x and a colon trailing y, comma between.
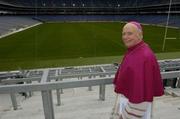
x: 138, y: 78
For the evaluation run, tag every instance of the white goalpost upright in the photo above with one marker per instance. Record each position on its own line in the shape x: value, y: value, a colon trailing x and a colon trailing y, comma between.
x: 166, y: 28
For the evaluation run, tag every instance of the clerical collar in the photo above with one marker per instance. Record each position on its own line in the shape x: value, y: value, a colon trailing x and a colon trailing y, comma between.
x: 135, y: 46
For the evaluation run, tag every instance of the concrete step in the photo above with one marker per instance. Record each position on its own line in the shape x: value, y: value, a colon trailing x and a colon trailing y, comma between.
x: 172, y: 91
x: 79, y: 103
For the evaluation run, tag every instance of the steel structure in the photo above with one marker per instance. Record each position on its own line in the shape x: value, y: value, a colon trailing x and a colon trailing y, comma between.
x: 47, y: 80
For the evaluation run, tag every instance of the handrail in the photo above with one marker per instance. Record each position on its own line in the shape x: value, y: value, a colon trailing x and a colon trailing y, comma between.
x: 47, y: 87
x: 68, y: 84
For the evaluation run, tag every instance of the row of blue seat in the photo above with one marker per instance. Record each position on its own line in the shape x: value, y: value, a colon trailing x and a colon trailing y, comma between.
x: 148, y: 19
x: 87, y: 3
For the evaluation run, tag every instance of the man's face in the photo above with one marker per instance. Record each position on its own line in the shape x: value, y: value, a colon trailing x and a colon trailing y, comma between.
x: 130, y: 35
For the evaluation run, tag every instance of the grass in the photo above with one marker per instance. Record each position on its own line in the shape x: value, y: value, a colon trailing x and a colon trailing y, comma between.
x: 69, y: 44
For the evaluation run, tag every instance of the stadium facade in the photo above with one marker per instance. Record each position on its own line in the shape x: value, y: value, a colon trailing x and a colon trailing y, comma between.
x: 88, y: 7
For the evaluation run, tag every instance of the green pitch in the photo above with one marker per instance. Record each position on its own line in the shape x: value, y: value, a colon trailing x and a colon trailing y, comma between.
x: 65, y: 44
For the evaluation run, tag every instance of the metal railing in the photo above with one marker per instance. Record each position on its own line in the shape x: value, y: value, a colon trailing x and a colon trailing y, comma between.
x: 46, y: 88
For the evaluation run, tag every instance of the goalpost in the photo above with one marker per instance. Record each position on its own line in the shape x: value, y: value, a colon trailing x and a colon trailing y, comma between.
x: 166, y: 28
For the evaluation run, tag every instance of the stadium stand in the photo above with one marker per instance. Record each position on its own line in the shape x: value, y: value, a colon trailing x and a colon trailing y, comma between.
x: 79, y: 103
x: 87, y: 3
x: 146, y: 19
x: 10, y: 24
x: 86, y: 6
x: 144, y: 11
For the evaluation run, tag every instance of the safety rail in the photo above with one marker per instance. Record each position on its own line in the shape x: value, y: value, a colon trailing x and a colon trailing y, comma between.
x: 46, y: 89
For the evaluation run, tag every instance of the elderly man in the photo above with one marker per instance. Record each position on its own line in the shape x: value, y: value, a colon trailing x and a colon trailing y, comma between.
x: 138, y: 78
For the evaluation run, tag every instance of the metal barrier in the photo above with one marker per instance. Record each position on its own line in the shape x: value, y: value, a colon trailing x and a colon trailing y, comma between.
x: 169, y: 69
x: 46, y: 88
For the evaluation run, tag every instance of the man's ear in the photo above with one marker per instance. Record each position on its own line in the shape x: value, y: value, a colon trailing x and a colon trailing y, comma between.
x: 140, y: 35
